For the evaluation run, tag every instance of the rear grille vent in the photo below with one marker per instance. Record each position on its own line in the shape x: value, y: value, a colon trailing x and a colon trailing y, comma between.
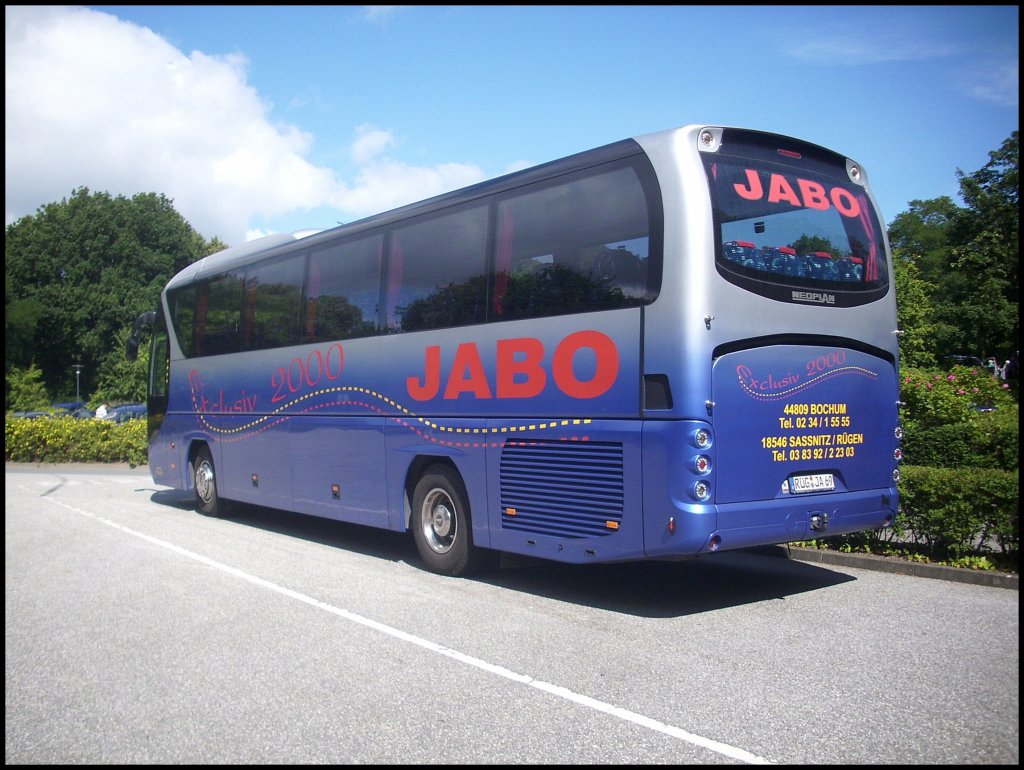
x: 562, y: 488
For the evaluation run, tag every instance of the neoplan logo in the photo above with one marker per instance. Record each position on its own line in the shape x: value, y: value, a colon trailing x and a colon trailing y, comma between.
x: 819, y: 297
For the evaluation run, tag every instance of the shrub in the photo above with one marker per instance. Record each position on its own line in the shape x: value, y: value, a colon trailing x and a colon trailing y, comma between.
x: 66, y: 439
x: 931, y: 397
x: 980, y: 440
x: 957, y: 513
x: 25, y: 390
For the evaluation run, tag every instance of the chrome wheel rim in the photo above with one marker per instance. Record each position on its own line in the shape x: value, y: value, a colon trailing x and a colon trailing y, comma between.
x: 204, y: 481
x: 437, y: 521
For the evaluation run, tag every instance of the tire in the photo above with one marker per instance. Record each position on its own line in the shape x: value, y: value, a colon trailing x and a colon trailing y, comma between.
x: 204, y: 479
x: 441, y: 524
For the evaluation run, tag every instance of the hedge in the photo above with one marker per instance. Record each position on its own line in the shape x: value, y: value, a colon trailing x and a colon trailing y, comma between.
x: 960, y: 512
x: 70, y: 440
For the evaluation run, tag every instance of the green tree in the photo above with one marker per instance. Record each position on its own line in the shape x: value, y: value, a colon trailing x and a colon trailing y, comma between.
x: 967, y: 258
x: 21, y: 316
x: 25, y: 390
x: 918, y: 329
x: 121, y: 380
x: 986, y: 251
x: 922, y: 234
x: 80, y: 271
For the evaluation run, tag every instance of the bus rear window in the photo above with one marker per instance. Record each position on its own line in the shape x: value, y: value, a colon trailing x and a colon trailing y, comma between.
x: 796, y: 233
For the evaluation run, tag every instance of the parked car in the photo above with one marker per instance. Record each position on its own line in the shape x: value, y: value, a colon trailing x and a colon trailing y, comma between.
x: 962, y: 360
x: 31, y: 415
x: 125, y: 412
x: 76, y: 409
x: 68, y: 406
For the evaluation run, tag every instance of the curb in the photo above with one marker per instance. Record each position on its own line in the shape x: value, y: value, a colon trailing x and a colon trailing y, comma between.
x: 896, y: 566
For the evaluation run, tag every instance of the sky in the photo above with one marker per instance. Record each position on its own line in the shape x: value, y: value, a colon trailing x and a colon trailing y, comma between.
x: 254, y: 120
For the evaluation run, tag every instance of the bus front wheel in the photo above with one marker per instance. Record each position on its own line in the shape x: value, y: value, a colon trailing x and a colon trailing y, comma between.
x: 204, y: 479
x: 441, y: 523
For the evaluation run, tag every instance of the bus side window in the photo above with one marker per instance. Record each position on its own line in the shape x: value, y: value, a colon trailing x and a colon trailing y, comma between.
x: 221, y: 332
x: 343, y: 290
x: 185, y: 318
x: 271, y: 316
x: 437, y: 275
x: 552, y: 269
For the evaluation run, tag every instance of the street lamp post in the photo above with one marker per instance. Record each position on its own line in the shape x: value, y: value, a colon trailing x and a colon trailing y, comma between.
x: 78, y: 370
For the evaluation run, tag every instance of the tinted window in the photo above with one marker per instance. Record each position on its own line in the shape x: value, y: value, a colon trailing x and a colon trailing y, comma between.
x: 585, y: 241
x: 207, y: 317
x: 272, y: 303
x: 580, y: 243
x: 437, y: 273
x: 343, y: 290
x: 783, y: 229
x: 159, y: 362
x: 218, y: 315
x: 182, y: 304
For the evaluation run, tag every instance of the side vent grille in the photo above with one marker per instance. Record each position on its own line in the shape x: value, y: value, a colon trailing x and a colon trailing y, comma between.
x: 562, y: 488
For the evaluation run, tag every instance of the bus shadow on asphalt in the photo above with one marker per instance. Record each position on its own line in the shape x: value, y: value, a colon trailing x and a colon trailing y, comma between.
x: 655, y: 589
x: 666, y: 589
x: 357, y: 538
x: 171, y: 498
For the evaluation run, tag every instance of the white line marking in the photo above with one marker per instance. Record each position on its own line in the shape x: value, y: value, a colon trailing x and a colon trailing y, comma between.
x: 552, y: 689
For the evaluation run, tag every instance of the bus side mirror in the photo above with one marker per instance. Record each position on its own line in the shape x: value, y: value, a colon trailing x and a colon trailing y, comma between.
x: 132, y: 346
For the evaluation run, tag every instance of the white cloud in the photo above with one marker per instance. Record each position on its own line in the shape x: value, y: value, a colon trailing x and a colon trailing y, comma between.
x: 384, y: 184
x: 996, y: 82
x: 883, y: 47
x: 370, y: 143
x: 381, y: 13
x: 91, y: 101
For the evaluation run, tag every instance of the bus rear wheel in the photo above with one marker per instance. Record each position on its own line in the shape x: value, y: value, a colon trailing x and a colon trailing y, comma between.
x: 441, y: 524
x: 204, y: 478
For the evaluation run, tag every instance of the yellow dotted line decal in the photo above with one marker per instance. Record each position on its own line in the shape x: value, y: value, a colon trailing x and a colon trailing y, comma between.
x: 259, y: 424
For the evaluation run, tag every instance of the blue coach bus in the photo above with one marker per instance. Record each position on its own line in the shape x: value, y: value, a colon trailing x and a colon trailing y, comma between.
x: 668, y: 346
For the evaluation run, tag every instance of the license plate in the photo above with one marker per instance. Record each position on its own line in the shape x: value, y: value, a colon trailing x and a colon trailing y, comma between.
x: 814, y: 482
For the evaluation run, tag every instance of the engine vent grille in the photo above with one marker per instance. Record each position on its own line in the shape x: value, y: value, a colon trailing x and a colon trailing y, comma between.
x: 562, y: 488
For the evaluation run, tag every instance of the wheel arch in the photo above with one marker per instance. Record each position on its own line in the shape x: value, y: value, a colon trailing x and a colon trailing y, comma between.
x: 438, y: 481
x: 193, y: 450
